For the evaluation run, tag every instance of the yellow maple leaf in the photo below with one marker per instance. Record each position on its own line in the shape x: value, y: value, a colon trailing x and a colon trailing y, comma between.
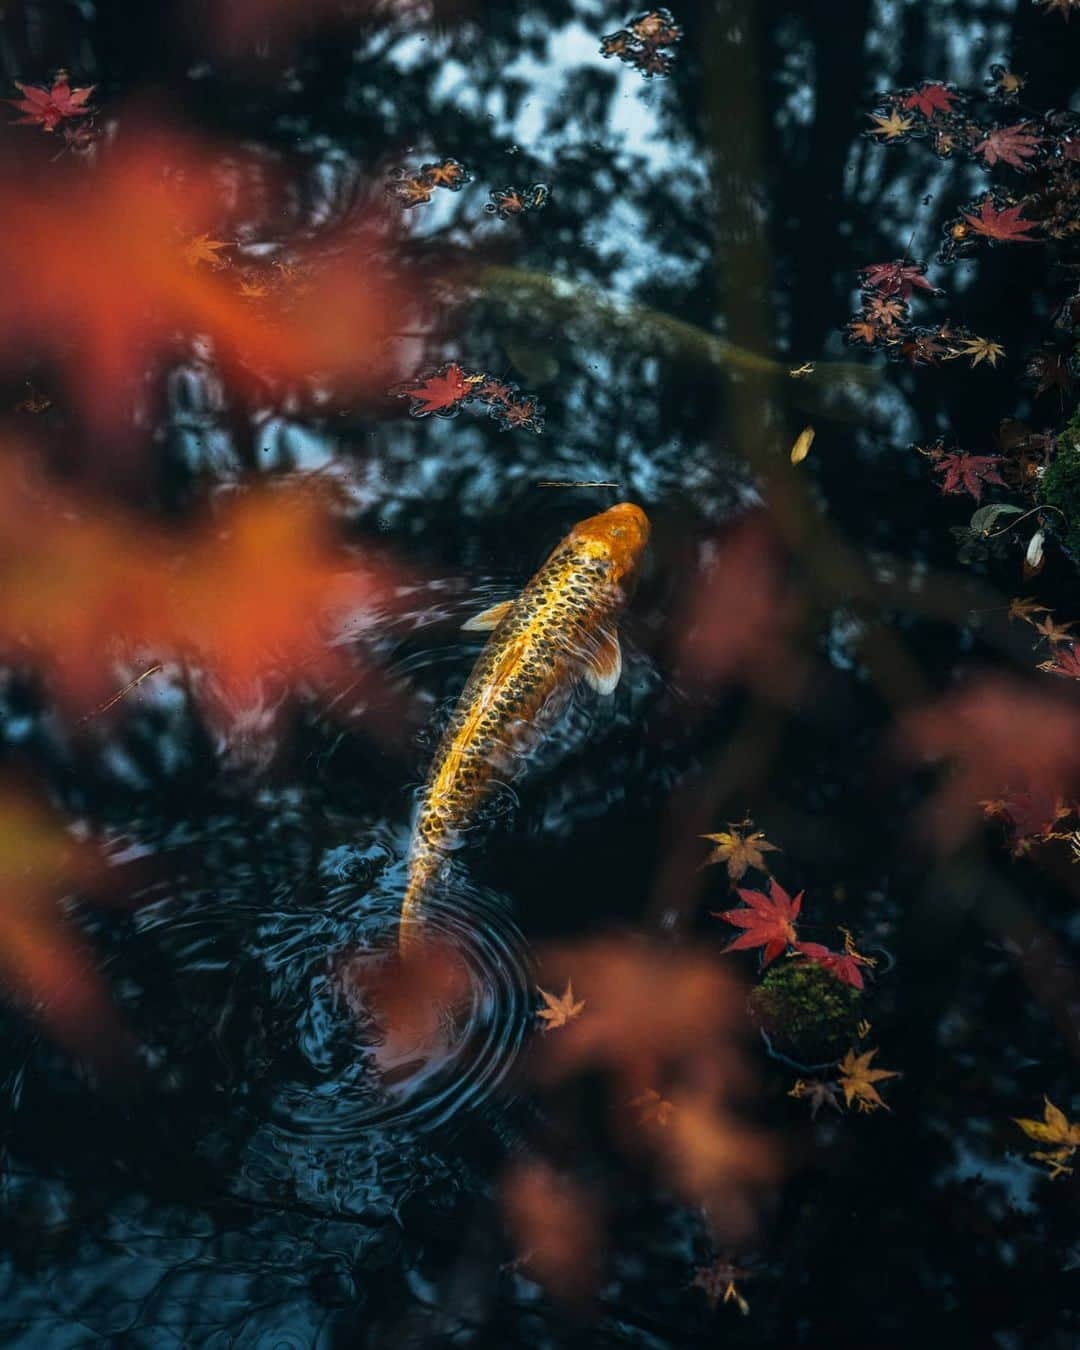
x: 559, y: 1011
x: 1025, y: 608
x: 201, y: 248
x: 1055, y: 632
x: 739, y: 851
x: 979, y: 349
x: 891, y: 128
x: 857, y: 1079
x: 1055, y: 1128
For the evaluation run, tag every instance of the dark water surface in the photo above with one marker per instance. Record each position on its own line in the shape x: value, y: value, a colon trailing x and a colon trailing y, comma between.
x: 256, y: 1183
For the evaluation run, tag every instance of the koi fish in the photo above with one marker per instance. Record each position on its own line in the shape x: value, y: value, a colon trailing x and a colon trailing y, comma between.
x: 560, y: 629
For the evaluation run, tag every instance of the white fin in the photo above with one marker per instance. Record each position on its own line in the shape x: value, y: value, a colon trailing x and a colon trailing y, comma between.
x: 605, y: 664
x: 488, y: 619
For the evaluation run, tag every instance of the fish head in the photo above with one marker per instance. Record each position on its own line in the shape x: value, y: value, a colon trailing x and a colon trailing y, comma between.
x: 618, y: 536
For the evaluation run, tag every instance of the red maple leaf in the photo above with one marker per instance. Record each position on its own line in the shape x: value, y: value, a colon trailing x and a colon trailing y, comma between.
x: 441, y: 392
x: 968, y: 473
x: 841, y: 964
x: 1001, y: 223
x: 1066, y: 662
x: 47, y: 108
x: 769, y: 920
x: 1010, y: 145
x: 896, y: 278
x: 930, y: 98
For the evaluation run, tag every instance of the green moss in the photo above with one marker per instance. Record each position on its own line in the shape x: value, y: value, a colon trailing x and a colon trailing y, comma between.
x: 807, y: 1013
x: 1060, y: 485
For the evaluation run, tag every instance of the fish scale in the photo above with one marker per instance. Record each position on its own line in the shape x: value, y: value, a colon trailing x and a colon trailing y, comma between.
x: 560, y: 627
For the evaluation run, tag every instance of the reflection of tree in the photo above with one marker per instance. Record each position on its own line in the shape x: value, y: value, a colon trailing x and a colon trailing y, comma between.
x: 724, y: 211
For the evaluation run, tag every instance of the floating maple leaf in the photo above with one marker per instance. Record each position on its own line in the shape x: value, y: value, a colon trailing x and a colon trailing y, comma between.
x: 739, y: 851
x: 1052, y: 631
x: 886, y: 312
x: 719, y: 1283
x: 447, y: 173
x: 559, y: 1011
x: 1048, y: 369
x: 1025, y: 608
x: 509, y: 201
x: 930, y: 98
x: 523, y: 414
x: 1001, y: 224
x: 1005, y: 83
x: 899, y: 278
x: 1063, y: 7
x: 844, y: 965
x: 409, y: 190
x: 1016, y: 146
x: 442, y: 392
x: 857, y: 1079
x: 968, y: 473
x: 893, y: 126
x: 978, y: 348
x: 1065, y: 662
x: 769, y: 921
x: 818, y: 1092
x: 47, y: 108
x: 1055, y: 1128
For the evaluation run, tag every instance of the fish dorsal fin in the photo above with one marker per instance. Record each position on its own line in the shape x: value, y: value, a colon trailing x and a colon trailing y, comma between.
x: 488, y: 619
x: 604, y: 665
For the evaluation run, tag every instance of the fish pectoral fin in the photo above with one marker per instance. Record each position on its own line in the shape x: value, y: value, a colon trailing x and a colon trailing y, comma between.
x: 604, y: 665
x: 488, y: 619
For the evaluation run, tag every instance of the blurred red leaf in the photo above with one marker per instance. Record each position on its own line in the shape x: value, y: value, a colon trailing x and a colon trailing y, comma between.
x: 741, y: 617
x: 43, y: 962
x: 930, y: 98
x: 238, y: 595
x: 411, y: 1000
x: 555, y: 1227
x: 999, y: 736
x: 94, y: 274
x: 662, y: 1017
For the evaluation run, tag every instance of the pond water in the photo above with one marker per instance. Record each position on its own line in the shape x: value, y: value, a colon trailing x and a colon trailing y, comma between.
x: 257, y: 1165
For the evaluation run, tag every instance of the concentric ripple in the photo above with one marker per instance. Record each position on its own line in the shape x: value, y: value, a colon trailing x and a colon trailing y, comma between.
x: 380, y: 1042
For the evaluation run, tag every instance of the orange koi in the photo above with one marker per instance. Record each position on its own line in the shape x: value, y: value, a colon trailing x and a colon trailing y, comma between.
x: 560, y: 629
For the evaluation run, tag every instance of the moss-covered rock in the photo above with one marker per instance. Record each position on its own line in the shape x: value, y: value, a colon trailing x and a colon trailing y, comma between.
x: 1060, y: 485
x: 807, y: 1013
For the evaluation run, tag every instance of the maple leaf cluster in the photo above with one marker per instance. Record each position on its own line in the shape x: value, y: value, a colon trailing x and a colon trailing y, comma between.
x: 643, y: 42
x: 768, y: 921
x: 512, y: 201
x: 414, y: 189
x: 448, y: 389
x: 883, y: 322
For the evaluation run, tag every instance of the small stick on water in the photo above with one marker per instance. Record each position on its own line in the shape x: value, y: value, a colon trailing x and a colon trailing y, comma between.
x: 121, y: 693
x: 576, y: 482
